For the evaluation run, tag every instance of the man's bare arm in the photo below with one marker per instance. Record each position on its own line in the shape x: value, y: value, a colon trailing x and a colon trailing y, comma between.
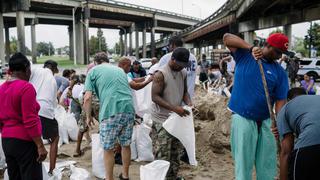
x: 186, y: 96
x: 157, y: 89
x: 234, y: 42
x: 286, y: 149
x: 279, y: 105
x: 137, y: 86
x: 87, y: 106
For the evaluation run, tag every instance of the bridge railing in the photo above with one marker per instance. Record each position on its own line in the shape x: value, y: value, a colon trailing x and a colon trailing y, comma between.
x: 147, y: 9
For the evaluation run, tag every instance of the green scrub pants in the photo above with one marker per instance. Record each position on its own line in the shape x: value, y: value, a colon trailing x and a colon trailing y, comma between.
x: 251, y: 146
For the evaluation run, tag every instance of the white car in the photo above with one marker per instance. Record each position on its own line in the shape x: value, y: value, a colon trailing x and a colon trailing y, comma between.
x: 145, y: 63
x: 310, y: 66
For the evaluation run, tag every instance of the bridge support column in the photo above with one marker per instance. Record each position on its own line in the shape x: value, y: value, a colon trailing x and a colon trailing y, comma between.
x: 287, y: 29
x: 121, y: 45
x: 2, y: 55
x: 7, y: 37
x: 71, y: 39
x: 153, y: 44
x: 144, y: 46
x: 130, y: 42
x: 248, y: 37
x: 137, y: 43
x: 33, y: 42
x: 79, y: 39
x: 20, y: 32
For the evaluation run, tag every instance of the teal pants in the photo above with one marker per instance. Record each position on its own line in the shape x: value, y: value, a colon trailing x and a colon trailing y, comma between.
x: 252, y: 147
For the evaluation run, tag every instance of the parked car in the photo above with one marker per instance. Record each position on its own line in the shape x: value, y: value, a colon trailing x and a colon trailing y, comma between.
x: 145, y: 63
x: 310, y: 66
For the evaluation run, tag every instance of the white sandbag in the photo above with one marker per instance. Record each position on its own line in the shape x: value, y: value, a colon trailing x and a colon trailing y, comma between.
x: 144, y: 143
x: 183, y: 129
x: 147, y: 119
x: 72, y: 127
x: 2, y: 156
x: 143, y: 100
x: 98, y: 169
x: 61, y: 116
x: 133, y: 145
x: 157, y: 170
x: 45, y: 175
x: 317, y: 89
x: 79, y: 173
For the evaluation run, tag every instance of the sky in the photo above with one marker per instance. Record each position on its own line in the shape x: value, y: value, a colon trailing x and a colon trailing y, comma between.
x: 58, y: 35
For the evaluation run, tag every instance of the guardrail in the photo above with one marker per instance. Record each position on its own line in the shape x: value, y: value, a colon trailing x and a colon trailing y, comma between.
x: 147, y: 9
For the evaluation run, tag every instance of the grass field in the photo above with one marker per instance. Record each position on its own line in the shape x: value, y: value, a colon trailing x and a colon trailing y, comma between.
x: 63, y: 61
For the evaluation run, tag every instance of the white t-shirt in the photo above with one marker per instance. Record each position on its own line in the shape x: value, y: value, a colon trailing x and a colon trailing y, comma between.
x: 231, y: 65
x: 46, y: 87
x: 154, y: 68
x: 191, y: 71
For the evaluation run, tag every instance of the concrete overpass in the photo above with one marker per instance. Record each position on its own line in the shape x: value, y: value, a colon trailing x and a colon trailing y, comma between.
x: 243, y: 17
x: 81, y: 14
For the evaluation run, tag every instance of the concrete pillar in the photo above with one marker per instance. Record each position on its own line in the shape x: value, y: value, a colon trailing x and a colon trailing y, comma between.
x: 2, y: 47
x: 33, y: 42
x: 20, y: 31
x: 137, y: 43
x: 249, y: 37
x: 71, y: 39
x: 7, y: 37
x: 121, y: 44
x: 125, y: 44
x: 144, y: 46
x: 130, y: 43
x: 153, y: 44
x: 287, y: 29
x: 86, y: 17
x: 79, y: 42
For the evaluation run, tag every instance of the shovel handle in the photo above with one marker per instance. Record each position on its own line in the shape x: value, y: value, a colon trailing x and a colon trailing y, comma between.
x: 266, y: 91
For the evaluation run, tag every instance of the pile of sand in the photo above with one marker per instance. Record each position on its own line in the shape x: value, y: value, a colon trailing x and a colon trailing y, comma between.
x: 212, y: 122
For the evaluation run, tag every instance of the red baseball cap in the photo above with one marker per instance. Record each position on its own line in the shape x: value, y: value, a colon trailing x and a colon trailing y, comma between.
x: 279, y: 41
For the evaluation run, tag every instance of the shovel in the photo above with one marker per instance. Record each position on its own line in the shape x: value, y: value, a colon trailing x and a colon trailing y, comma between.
x: 266, y: 91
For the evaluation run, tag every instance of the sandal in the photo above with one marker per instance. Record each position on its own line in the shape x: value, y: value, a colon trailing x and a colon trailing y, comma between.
x: 78, y: 154
x: 122, y: 178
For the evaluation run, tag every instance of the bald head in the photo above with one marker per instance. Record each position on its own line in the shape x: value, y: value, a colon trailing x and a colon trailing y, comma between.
x: 125, y: 64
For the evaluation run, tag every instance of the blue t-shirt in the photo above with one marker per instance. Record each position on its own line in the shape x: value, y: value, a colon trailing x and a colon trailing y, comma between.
x: 301, y: 117
x: 248, y: 97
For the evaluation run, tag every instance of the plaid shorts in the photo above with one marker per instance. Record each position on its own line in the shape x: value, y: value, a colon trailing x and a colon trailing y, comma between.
x: 118, y: 127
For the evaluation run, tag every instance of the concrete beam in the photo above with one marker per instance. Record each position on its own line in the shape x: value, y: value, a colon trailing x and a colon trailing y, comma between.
x: 293, y: 17
x: 110, y: 22
x: 217, y: 24
x: 165, y: 29
x: 2, y: 47
x: 33, y: 42
x: 125, y: 44
x: 244, y: 7
x: 71, y: 3
x: 117, y: 9
x: 33, y: 15
x: 174, y: 20
x: 130, y: 43
x: 20, y: 32
x: 79, y: 31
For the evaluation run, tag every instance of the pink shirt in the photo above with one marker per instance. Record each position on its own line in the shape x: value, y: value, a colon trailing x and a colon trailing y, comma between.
x: 19, y: 111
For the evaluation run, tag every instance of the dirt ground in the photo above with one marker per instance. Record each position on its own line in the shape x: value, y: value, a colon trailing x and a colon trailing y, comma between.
x: 212, y: 123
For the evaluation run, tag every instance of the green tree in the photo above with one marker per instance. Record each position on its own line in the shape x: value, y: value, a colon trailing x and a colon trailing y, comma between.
x: 45, y: 48
x: 14, y: 46
x: 117, y: 48
x: 299, y: 47
x: 98, y: 43
x: 313, y: 38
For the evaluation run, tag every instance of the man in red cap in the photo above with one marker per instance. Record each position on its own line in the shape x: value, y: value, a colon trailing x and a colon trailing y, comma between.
x: 252, y: 141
